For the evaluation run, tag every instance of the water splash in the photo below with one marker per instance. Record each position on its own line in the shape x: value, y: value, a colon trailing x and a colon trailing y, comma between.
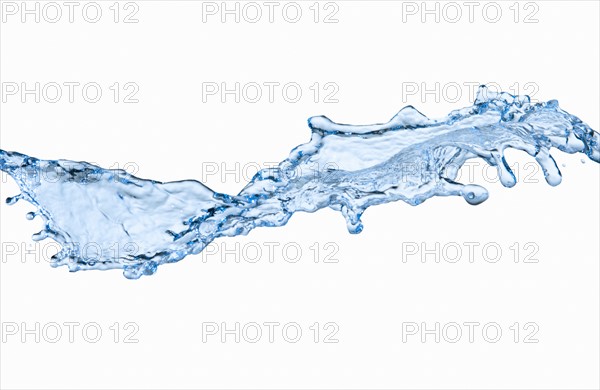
x: 107, y: 219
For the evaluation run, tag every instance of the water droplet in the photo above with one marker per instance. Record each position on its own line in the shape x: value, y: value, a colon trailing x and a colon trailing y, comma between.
x: 13, y: 199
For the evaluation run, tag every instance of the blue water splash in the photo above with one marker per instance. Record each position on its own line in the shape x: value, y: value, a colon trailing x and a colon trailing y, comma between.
x: 107, y: 219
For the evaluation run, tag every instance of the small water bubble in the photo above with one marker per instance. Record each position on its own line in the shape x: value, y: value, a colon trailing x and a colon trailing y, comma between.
x: 39, y: 236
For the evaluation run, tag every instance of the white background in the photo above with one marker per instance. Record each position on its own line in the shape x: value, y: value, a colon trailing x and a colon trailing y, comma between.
x: 370, y: 292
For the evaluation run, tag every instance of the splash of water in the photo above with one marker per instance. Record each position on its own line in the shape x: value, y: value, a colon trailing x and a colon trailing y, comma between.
x: 105, y: 219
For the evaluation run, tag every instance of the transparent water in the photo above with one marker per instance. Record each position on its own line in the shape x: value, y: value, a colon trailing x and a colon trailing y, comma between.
x: 106, y: 219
